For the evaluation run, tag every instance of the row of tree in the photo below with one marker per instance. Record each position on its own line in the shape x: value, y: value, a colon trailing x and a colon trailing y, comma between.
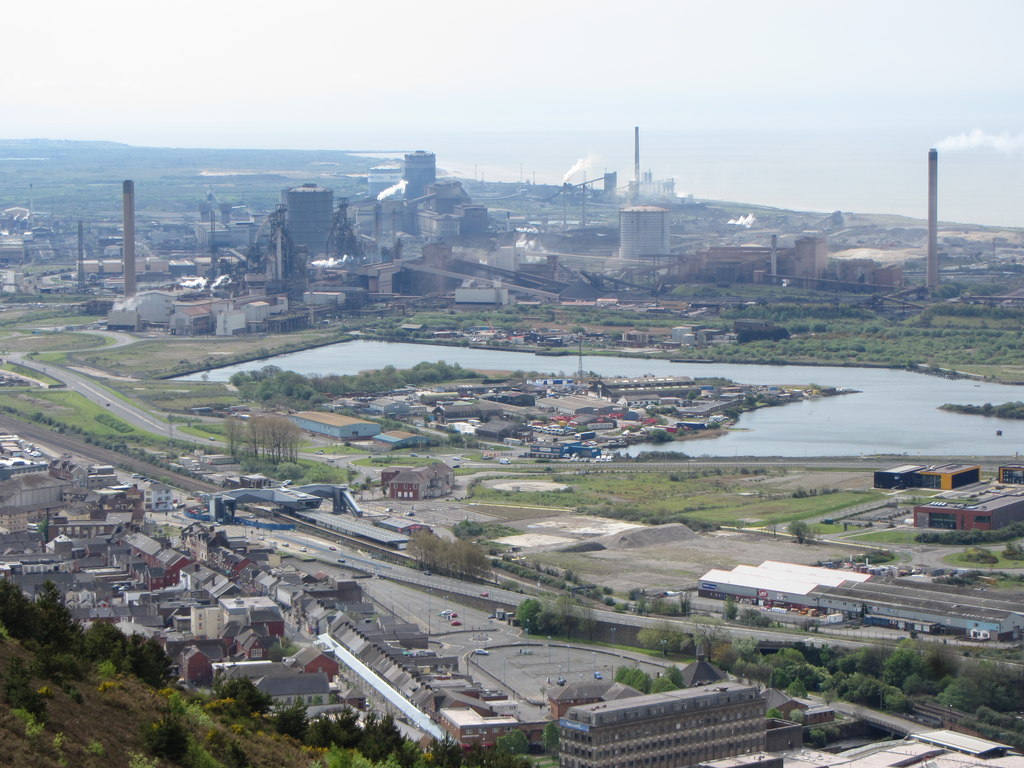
x: 269, y: 438
x: 460, y: 558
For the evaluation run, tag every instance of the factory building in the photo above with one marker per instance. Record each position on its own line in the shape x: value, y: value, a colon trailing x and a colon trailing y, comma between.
x: 677, y: 728
x: 907, y: 605
x: 419, y: 172
x: 977, y: 515
x: 773, y: 584
x: 643, y: 231
x: 308, y: 217
x: 382, y: 177
x: 900, y: 604
x: 1012, y: 474
x: 944, y: 477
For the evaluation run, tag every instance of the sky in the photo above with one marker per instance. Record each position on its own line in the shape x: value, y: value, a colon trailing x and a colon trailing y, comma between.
x: 337, y: 75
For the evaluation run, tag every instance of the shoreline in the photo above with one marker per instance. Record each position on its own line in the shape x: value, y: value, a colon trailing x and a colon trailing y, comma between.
x: 545, y: 352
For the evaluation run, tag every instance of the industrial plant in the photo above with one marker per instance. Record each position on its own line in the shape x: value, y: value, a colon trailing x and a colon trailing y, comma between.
x: 405, y: 232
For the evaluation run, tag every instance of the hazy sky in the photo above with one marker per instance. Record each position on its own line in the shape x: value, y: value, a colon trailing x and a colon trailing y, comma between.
x: 329, y: 74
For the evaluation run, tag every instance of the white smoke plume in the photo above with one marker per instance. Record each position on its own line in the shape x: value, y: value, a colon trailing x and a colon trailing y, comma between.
x: 222, y: 280
x: 192, y: 282
x: 978, y: 139
x: 392, y: 191
x: 581, y: 166
x: 744, y: 221
x: 331, y: 263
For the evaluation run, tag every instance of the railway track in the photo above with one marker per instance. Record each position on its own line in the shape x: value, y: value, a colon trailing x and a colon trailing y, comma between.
x: 68, y: 444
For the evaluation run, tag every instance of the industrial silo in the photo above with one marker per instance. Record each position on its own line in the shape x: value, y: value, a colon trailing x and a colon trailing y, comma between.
x: 643, y: 231
x: 420, y: 172
x: 308, y: 216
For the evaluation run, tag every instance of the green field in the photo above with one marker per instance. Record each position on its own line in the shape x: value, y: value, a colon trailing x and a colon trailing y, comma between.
x: 656, y: 497
x: 178, y: 396
x: 72, y: 410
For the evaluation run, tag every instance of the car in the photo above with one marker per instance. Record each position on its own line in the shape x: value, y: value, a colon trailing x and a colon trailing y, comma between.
x: 481, y: 652
x: 504, y: 460
x: 598, y: 676
x: 561, y: 681
x: 319, y: 453
x: 492, y: 616
x: 284, y: 544
x: 485, y: 594
x: 333, y: 549
x: 453, y: 615
x: 414, y: 455
x: 456, y: 623
x: 303, y: 549
x: 341, y: 559
x: 427, y: 573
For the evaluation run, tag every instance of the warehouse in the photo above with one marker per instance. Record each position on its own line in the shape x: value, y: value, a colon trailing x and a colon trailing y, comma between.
x: 335, y: 425
x: 773, y: 584
x: 986, y: 514
x: 945, y: 477
x: 925, y: 607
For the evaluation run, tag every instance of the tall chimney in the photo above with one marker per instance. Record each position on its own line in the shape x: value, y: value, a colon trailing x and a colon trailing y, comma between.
x: 81, y: 256
x: 636, y: 163
x: 933, y: 219
x: 128, y: 243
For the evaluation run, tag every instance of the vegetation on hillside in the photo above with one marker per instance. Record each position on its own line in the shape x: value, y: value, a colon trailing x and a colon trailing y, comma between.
x: 98, y: 698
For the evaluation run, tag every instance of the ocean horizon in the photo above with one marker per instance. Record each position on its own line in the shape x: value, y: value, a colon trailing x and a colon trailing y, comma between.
x: 865, y: 171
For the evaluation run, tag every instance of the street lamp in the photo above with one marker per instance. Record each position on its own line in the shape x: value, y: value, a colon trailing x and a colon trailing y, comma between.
x: 549, y: 650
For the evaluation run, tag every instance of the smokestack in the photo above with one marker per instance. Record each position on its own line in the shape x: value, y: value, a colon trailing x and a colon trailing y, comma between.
x: 81, y: 256
x: 636, y: 163
x: 128, y: 244
x: 933, y: 219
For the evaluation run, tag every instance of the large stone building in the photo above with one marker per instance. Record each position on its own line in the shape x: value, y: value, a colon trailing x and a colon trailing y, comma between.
x: 670, y: 730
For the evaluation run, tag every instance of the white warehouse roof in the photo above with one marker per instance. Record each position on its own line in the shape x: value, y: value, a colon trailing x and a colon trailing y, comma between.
x: 782, y: 577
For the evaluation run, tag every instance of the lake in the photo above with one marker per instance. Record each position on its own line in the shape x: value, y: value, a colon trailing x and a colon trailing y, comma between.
x: 893, y: 412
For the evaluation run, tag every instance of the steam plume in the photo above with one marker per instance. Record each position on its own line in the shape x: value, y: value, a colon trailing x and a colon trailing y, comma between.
x: 192, y: 282
x: 391, y: 191
x: 582, y: 165
x: 978, y: 139
x: 744, y: 221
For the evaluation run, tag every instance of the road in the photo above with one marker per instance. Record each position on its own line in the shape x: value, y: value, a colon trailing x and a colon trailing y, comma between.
x: 97, y: 393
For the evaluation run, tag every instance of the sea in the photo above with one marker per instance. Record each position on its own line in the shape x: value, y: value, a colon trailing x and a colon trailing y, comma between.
x: 862, y: 170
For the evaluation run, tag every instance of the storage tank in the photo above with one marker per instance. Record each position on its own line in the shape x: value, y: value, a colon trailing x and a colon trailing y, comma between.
x: 643, y: 231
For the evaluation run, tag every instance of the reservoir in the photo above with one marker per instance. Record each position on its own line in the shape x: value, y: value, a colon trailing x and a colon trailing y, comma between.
x: 893, y: 412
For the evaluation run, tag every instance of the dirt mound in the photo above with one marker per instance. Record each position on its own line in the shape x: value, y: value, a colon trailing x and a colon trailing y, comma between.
x: 585, y: 546
x: 648, y: 536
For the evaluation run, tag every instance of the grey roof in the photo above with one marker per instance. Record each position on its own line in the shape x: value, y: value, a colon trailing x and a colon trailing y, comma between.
x: 701, y: 672
x: 295, y: 684
x: 605, y: 690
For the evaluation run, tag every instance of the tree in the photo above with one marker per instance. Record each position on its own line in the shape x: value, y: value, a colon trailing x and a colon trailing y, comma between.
x: 634, y: 678
x: 902, y: 663
x: 528, y: 615
x: 248, y: 699
x: 800, y: 531
x: 550, y: 738
x: 291, y: 721
x: 662, y: 684
x: 513, y: 743
x: 731, y: 609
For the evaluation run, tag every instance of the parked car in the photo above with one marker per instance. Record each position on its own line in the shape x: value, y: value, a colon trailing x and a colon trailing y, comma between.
x: 456, y: 623
x: 598, y: 676
x: 484, y: 594
x: 482, y: 652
